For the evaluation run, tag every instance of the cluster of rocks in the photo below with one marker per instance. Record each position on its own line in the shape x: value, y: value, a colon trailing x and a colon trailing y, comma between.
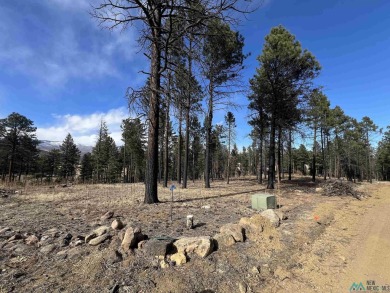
x: 165, y: 251
x: 46, y: 242
x: 53, y: 239
x: 170, y: 252
x: 248, y: 228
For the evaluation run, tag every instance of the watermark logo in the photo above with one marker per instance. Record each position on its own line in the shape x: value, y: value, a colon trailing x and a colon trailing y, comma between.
x: 357, y: 287
x: 370, y: 286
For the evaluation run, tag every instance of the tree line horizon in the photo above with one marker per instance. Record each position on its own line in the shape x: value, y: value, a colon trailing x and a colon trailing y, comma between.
x: 107, y: 163
x: 196, y: 59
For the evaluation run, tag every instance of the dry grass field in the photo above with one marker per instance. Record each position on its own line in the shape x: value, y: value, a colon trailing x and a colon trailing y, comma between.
x: 306, y: 253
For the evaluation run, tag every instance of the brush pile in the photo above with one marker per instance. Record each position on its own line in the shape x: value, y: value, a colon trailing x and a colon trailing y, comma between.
x: 341, y: 188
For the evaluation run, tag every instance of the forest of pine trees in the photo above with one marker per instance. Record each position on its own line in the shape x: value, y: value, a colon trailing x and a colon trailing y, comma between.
x: 173, y: 137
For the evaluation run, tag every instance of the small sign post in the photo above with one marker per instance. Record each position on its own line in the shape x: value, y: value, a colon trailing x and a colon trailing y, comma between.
x: 172, y: 188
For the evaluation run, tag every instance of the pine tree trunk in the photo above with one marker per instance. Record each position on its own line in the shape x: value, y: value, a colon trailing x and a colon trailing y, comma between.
x: 20, y: 171
x: 271, y: 171
x: 166, y: 143
x: 260, y: 179
x: 228, y: 161
x: 264, y: 162
x: 10, y: 169
x: 193, y: 164
x: 261, y: 155
x: 314, y: 155
x: 258, y: 166
x: 329, y: 156
x: 289, y: 154
x: 368, y: 159
x: 280, y: 153
x: 323, y: 152
x: 154, y: 103
x: 160, y: 163
x: 187, y: 148
x: 208, y: 123
x: 180, y: 143
x: 130, y: 170
x: 11, y: 162
x: 124, y: 163
x: 282, y: 161
x: 187, y: 137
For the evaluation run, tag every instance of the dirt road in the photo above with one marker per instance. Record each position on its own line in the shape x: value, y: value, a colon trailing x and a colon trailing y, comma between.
x: 352, y: 248
x: 370, y: 248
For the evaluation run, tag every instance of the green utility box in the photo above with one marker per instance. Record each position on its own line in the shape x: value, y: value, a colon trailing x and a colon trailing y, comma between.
x: 263, y: 201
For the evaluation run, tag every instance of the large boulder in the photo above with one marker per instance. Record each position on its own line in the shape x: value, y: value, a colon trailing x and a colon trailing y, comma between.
x: 254, y: 225
x: 272, y: 217
x: 260, y: 229
x: 224, y: 240
x: 235, y: 230
x: 131, y: 238
x: 157, y: 247
x: 201, y: 246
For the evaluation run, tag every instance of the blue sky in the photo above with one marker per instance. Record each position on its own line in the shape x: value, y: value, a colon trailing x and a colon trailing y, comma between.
x: 58, y: 68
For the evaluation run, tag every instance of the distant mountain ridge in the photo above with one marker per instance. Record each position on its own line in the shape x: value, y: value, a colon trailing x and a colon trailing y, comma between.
x: 50, y: 145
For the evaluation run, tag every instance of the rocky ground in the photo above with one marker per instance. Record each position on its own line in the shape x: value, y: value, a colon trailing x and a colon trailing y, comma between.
x: 102, y: 238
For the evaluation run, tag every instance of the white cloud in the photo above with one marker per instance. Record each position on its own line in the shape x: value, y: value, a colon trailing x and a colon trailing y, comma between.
x: 63, y: 50
x: 124, y: 43
x: 64, y: 60
x: 84, y: 128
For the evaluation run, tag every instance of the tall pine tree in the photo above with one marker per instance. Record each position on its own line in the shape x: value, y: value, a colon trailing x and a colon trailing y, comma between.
x: 285, y: 74
x: 70, y: 156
